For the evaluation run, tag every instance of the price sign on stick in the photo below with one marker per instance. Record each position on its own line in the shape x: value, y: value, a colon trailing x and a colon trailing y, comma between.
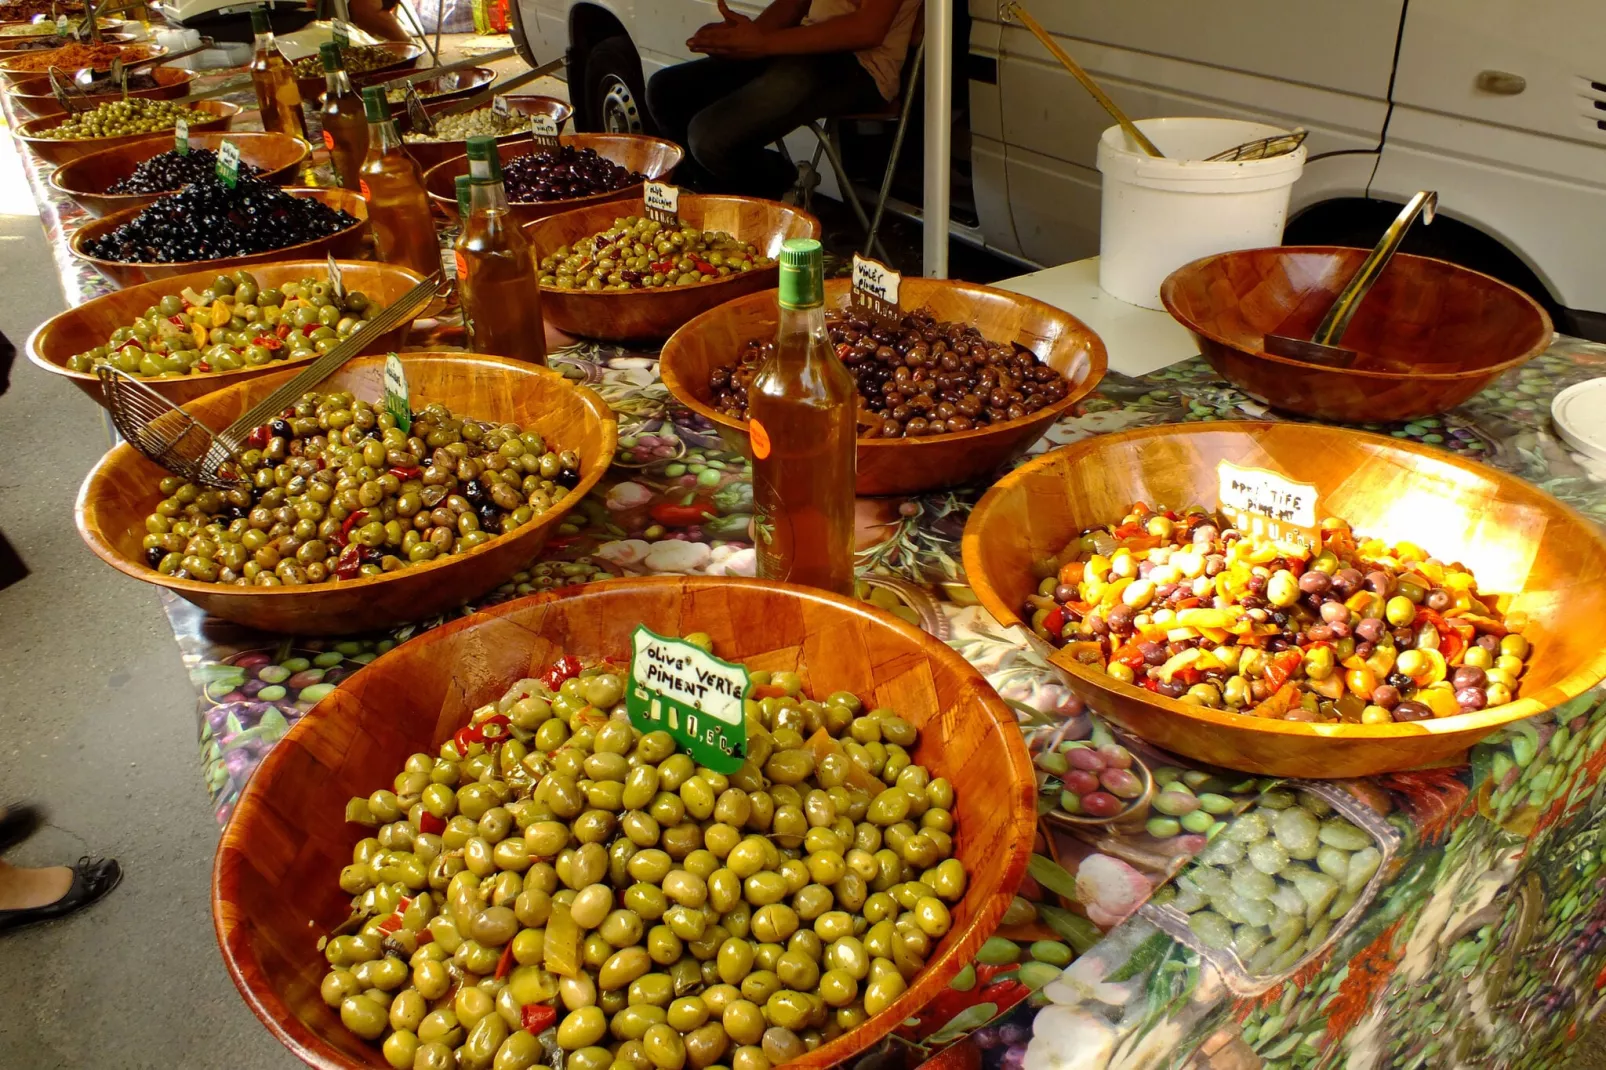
x: 337, y: 285
x: 342, y: 34
x: 544, y: 131
x: 681, y: 689
x: 875, y: 290
x: 228, y: 163
x: 397, y: 401
x: 662, y: 203
x: 500, y: 106
x: 181, y: 138
x: 1264, y: 503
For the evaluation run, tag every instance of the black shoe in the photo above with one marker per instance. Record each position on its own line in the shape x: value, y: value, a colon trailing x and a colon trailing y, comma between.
x: 18, y: 823
x: 92, y: 879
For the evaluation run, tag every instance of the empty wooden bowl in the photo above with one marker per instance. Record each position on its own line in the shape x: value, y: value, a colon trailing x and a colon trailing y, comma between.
x: 87, y: 178
x: 343, y: 244
x: 428, y: 154
x: 1519, y: 542
x: 91, y: 323
x: 644, y: 315
x: 33, y: 95
x: 121, y: 491
x: 901, y: 465
x: 59, y: 151
x: 406, y: 55
x: 275, y: 887
x: 1429, y: 335
x: 650, y: 156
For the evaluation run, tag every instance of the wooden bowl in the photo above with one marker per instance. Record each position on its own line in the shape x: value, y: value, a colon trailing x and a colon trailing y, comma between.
x: 14, y: 67
x: 653, y: 157
x: 274, y: 883
x: 86, y: 179
x: 406, y: 53
x: 1518, y: 541
x: 345, y: 244
x: 60, y: 151
x: 121, y: 491
x: 429, y: 154
x: 15, y: 43
x: 453, y: 85
x: 92, y: 322
x: 643, y: 315
x: 1430, y: 334
x: 34, y: 96
x: 901, y: 465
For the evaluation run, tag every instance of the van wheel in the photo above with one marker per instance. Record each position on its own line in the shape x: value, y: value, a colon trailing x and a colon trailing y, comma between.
x: 615, y: 93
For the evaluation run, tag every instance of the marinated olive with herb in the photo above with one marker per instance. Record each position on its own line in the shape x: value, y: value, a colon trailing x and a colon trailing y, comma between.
x: 637, y: 253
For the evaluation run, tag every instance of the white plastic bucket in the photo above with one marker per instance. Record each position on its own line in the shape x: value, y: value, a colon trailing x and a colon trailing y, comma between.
x: 1158, y: 214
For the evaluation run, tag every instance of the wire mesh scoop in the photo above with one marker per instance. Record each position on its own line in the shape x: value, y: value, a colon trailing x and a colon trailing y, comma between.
x: 170, y: 436
x: 1263, y: 148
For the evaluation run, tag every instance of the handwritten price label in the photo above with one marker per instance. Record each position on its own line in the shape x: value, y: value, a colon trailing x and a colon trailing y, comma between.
x: 1268, y: 504
x: 875, y: 290
x: 544, y: 131
x: 681, y: 689
x: 662, y: 202
x: 228, y: 163
x: 397, y: 401
x: 181, y: 138
x: 342, y: 34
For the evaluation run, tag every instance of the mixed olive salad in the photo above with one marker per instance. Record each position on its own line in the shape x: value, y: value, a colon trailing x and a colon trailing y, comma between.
x: 556, y: 888
x: 486, y: 121
x: 637, y: 253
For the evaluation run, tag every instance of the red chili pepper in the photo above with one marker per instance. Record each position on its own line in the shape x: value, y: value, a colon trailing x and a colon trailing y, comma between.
x: 258, y: 437
x: 1281, y: 669
x: 494, y: 728
x: 351, y: 521
x: 505, y: 964
x: 428, y: 822
x: 537, y: 1018
x: 267, y: 341
x: 1054, y: 623
x: 702, y: 268
x: 202, y: 366
x: 559, y: 671
x: 1188, y: 603
x: 349, y: 563
x: 283, y: 330
x: 1152, y: 684
x: 175, y: 321
x: 673, y: 515
x: 466, y: 737
x: 405, y: 474
x: 425, y: 936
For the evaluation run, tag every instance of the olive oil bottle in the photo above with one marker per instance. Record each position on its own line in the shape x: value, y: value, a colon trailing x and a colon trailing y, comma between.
x: 398, y: 207
x: 801, y: 409
x: 495, y: 268
x: 275, y: 80
x: 345, y: 126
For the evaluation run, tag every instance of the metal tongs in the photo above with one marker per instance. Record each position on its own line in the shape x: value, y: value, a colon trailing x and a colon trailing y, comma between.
x: 1323, y: 347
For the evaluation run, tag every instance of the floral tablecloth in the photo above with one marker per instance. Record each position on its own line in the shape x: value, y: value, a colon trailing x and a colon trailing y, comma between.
x: 1457, y: 917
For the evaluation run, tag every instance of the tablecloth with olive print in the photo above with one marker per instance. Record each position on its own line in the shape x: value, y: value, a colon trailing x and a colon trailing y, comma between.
x: 1455, y: 917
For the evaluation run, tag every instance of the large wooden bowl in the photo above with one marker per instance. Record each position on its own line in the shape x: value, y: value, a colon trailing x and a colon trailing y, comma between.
x: 453, y: 85
x: 121, y: 491
x: 644, y: 315
x: 406, y: 53
x: 343, y: 244
x: 60, y: 151
x: 274, y: 883
x: 91, y: 323
x: 87, y: 178
x: 651, y: 156
x: 1517, y: 540
x: 1430, y: 334
x: 14, y: 67
x: 902, y: 465
x: 15, y: 43
x: 428, y: 154
x: 34, y: 96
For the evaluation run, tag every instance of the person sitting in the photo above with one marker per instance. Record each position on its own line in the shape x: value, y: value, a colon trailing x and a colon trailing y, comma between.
x: 798, y: 61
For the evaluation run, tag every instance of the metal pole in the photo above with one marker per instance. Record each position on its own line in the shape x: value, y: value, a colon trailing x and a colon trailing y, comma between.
x: 939, y: 112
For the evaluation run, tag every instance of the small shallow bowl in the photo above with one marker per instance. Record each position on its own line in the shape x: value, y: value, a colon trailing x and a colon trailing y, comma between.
x: 1519, y: 542
x: 275, y: 886
x: 901, y: 465
x: 92, y: 322
x: 1430, y: 334
x: 34, y: 96
x: 644, y: 315
x: 13, y: 69
x: 345, y: 244
x: 428, y: 154
x: 651, y: 156
x: 406, y: 53
x: 121, y: 491
x: 60, y: 151
x: 86, y: 179
x: 443, y: 88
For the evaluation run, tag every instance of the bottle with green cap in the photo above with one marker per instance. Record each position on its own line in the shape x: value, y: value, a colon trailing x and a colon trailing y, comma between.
x: 496, y: 279
x: 345, y: 126
x: 274, y: 79
x: 398, y: 207
x: 801, y: 410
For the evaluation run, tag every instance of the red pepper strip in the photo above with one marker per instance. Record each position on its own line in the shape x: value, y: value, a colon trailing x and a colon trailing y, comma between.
x: 844, y: 351
x: 405, y: 474
x: 425, y: 936
x: 702, y: 268
x: 671, y: 515
x: 1152, y: 684
x: 505, y: 964
x: 1126, y: 531
x: 258, y: 437
x: 494, y: 728
x: 1281, y: 668
x: 267, y: 341
x: 537, y: 1018
x: 1188, y: 675
x: 1054, y: 623
x: 349, y: 563
x: 283, y: 330
x: 390, y: 924
x: 1130, y: 656
x: 763, y: 691
x: 428, y: 822
x: 1296, y: 565
x: 1188, y: 603
x: 175, y: 321
x: 202, y: 366
x: 351, y: 521
x: 466, y: 738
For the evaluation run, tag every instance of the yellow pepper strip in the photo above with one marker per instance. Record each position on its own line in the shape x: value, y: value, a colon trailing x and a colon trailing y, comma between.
x: 1178, y: 661
x: 1206, y: 618
x: 221, y: 314
x: 1112, y: 592
x: 1440, y: 699
x: 199, y: 331
x: 1437, y: 670
x: 1215, y: 635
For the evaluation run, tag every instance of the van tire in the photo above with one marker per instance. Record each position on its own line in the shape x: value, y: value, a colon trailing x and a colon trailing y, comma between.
x: 615, y: 94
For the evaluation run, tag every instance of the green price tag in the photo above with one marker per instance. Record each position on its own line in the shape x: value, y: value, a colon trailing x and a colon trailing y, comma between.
x: 397, y: 401
x: 181, y: 137
x: 228, y: 163
x: 61, y: 25
x: 342, y: 34
x: 678, y: 688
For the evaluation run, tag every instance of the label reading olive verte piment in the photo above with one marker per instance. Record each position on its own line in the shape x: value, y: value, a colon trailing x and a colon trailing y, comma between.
x: 661, y: 202
x: 679, y: 688
x: 397, y: 401
x: 875, y: 290
x: 1265, y: 503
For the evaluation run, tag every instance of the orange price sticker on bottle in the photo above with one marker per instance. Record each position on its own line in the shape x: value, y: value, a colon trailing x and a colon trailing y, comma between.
x: 761, y: 439
x: 362, y: 185
x: 462, y: 265
x: 328, y: 141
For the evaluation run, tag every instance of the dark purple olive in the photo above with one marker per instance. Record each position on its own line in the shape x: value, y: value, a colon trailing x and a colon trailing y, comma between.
x: 1471, y: 698
x: 1491, y: 643
x: 1386, y: 696
x: 1412, y: 711
x: 1120, y: 618
x: 1173, y: 689
x: 1153, y: 652
x: 1205, y: 534
x: 1319, y: 633
x: 1346, y: 581
x: 1399, y: 680
x: 1379, y: 582
x: 1214, y: 563
x: 1340, y: 630
x: 1335, y: 613
x: 1315, y: 581
x: 1439, y: 600
x: 154, y: 555
x: 1369, y: 629
x: 1468, y: 676
x: 1065, y: 592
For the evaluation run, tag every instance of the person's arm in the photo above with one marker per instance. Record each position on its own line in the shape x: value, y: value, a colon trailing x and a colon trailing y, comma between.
x: 781, y: 15
x: 865, y: 27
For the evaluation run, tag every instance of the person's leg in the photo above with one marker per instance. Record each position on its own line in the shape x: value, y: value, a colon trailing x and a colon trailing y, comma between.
x: 371, y: 16
x: 29, y: 895
x: 676, y: 94
x: 23, y: 889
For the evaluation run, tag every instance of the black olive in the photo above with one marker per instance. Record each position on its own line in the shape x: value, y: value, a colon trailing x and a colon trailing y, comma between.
x: 281, y: 428
x: 567, y: 477
x: 154, y: 555
x: 474, y: 492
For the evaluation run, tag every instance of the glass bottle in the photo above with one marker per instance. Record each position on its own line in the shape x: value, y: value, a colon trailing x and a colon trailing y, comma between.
x: 398, y: 207
x: 345, y: 126
x: 496, y: 278
x: 464, y: 187
x: 275, y: 82
x: 801, y: 410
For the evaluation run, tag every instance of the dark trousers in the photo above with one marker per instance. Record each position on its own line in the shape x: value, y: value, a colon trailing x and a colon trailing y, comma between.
x: 726, y: 113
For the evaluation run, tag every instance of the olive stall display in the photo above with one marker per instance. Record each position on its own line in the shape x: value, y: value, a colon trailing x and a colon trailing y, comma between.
x: 121, y: 118
x: 356, y: 59
x: 233, y: 323
x: 565, y: 173
x: 921, y: 377
x: 638, y: 253
x: 1359, y: 632
x: 485, y: 121
x: 556, y: 888
x: 336, y: 491
x: 210, y: 220
x: 172, y: 170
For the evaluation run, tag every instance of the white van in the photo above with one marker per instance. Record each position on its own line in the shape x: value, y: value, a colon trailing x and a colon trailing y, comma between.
x: 1499, y: 105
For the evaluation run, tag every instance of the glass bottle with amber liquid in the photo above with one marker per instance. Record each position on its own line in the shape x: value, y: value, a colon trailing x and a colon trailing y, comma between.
x: 398, y: 207
x: 275, y: 80
x: 345, y: 126
x: 802, y: 423
x: 496, y: 278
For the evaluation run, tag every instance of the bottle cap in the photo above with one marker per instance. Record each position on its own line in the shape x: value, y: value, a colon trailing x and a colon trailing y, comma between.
x: 802, y: 279
x: 484, y: 165
x: 329, y: 55
x: 464, y: 186
x: 259, y: 20
x: 374, y: 104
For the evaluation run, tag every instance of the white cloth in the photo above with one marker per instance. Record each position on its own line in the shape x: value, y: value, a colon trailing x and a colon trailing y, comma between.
x: 884, y: 62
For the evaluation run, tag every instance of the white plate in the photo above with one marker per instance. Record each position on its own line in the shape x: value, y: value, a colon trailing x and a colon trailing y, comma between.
x: 1579, y: 413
